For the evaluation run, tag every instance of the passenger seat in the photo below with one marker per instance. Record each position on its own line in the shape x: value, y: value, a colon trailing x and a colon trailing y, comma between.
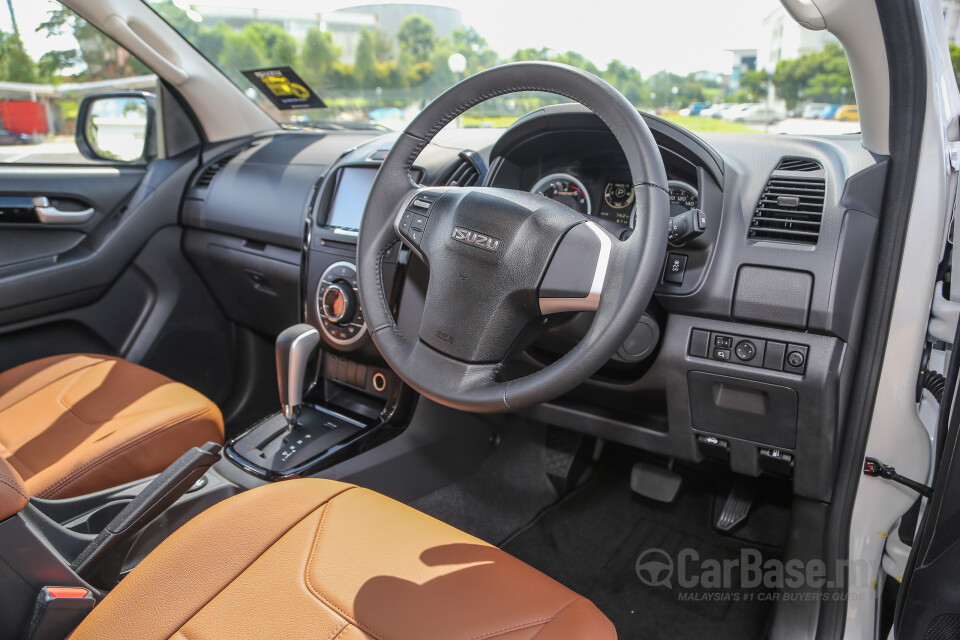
x: 75, y: 424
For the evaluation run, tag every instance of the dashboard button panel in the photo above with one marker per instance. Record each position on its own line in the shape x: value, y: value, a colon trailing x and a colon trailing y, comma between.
x: 748, y: 351
x: 675, y: 268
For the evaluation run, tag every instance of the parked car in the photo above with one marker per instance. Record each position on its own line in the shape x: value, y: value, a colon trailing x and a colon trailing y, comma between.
x: 12, y: 137
x: 734, y: 110
x: 813, y: 110
x: 759, y: 114
x: 848, y: 113
x: 828, y: 111
x: 710, y: 111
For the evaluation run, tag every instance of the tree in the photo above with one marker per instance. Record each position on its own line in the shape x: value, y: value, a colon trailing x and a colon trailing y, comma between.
x: 415, y: 36
x: 821, y: 76
x: 755, y: 84
x: 317, y: 57
x: 16, y: 65
x: 276, y: 46
x: 51, y: 65
x: 101, y: 57
x: 955, y: 60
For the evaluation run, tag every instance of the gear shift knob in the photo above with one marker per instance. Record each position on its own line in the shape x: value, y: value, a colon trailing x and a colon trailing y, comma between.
x: 295, y: 345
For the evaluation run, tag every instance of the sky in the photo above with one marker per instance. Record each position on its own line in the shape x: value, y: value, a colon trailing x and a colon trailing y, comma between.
x: 678, y: 35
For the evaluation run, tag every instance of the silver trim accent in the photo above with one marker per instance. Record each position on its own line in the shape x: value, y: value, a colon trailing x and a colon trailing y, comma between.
x: 318, y: 307
x: 565, y: 176
x: 52, y: 215
x: 592, y: 300
x: 296, y: 371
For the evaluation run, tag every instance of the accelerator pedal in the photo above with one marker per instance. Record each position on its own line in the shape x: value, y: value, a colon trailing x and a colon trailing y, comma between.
x: 738, y: 504
x: 655, y: 482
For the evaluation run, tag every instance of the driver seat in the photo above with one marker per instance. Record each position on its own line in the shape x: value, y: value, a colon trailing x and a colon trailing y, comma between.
x: 322, y: 559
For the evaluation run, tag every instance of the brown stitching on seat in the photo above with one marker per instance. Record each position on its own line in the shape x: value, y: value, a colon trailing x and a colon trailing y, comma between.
x: 261, y: 554
x: 110, y: 454
x: 15, y: 488
x: 316, y: 591
x: 516, y: 627
x: 69, y: 373
x: 559, y: 611
x: 342, y: 629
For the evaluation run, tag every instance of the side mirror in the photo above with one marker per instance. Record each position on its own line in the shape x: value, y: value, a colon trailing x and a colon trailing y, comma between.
x: 118, y: 127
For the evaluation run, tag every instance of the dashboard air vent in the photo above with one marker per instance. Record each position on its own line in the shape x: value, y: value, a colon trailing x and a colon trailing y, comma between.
x: 469, y: 171
x: 206, y: 176
x: 790, y: 210
x: 798, y: 164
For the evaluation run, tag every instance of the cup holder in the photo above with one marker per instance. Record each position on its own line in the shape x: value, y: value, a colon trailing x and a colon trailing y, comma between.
x: 95, y: 521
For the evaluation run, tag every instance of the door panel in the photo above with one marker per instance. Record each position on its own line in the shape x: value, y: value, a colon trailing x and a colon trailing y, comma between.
x: 52, y: 274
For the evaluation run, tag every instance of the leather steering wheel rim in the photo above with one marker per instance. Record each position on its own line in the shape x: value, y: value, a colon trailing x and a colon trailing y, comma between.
x: 632, y: 271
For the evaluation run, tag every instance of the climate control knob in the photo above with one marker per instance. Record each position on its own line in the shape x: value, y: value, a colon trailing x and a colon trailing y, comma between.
x: 339, y: 303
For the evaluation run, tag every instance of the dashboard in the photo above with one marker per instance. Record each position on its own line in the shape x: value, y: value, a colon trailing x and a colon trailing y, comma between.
x: 610, y: 197
x: 743, y: 353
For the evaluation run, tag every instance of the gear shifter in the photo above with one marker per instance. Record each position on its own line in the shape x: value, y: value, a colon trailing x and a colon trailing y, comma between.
x: 295, y: 345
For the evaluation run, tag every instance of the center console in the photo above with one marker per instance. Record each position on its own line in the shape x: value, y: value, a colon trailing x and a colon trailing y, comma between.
x: 351, y: 400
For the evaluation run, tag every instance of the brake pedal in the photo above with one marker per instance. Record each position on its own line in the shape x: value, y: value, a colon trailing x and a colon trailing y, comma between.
x: 655, y: 482
x: 738, y: 504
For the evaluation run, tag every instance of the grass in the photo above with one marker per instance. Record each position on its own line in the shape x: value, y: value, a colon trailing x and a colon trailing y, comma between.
x: 489, y: 122
x: 693, y: 123
x: 696, y: 123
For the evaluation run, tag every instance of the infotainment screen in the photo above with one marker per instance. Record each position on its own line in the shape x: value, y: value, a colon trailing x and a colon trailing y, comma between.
x: 353, y: 187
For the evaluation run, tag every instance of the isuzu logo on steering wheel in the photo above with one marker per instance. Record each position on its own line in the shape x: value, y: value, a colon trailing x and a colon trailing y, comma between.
x: 466, y: 236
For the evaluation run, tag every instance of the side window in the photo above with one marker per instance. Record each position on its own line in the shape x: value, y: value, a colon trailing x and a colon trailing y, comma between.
x: 59, y: 75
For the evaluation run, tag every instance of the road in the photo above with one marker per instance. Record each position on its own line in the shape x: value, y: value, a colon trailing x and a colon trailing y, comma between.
x: 61, y: 149
x: 801, y: 127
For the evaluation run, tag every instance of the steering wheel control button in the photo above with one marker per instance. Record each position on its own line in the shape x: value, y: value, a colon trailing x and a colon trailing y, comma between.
x: 405, y: 221
x: 421, y: 203
x: 746, y: 350
x: 419, y: 222
x: 796, y: 359
x: 699, y: 343
x: 721, y: 354
x: 773, y: 358
x: 724, y: 342
x: 675, y: 268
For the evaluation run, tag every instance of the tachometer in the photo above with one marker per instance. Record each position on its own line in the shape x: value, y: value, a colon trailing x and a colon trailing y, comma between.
x: 566, y: 190
x: 683, y: 197
x: 619, y: 195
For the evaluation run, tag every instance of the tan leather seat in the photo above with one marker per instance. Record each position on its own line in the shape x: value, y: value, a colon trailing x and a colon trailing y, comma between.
x: 322, y: 559
x: 79, y: 423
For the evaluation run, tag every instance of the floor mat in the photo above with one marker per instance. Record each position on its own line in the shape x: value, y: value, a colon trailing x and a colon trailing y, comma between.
x: 504, y: 494
x: 601, y: 539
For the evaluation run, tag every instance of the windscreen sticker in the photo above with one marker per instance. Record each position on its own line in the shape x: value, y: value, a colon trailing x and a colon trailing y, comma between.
x: 284, y: 88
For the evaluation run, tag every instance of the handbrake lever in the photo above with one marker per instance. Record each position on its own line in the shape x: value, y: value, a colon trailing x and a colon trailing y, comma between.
x: 101, y: 561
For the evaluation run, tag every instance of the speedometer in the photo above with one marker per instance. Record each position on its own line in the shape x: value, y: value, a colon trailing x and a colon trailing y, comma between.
x: 566, y: 190
x: 683, y: 197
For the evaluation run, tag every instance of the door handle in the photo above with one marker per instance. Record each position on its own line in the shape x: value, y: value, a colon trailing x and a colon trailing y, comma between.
x: 52, y: 215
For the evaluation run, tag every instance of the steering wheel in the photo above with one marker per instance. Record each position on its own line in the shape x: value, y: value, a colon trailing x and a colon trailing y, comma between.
x: 500, y: 261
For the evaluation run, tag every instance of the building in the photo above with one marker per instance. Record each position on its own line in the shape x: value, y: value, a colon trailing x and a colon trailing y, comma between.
x: 744, y: 60
x: 951, y: 20
x: 783, y: 39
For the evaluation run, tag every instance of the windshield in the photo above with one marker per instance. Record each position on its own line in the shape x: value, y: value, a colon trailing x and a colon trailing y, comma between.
x: 707, y: 65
